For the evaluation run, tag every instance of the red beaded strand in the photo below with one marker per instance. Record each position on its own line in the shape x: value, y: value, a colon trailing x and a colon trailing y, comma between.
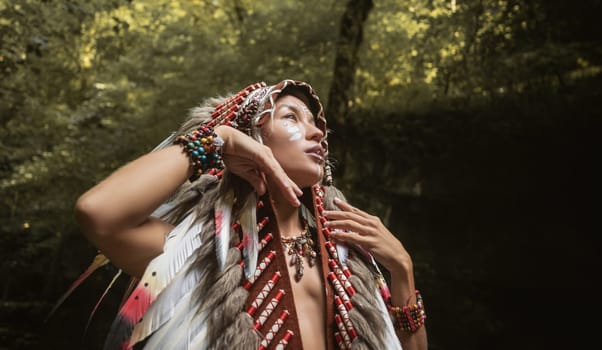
x: 338, y: 276
x: 409, y: 318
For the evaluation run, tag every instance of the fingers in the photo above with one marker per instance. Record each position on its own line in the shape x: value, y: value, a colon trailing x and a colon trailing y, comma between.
x: 353, y: 226
x: 349, y: 225
x: 272, y: 169
x: 349, y: 237
x: 267, y: 164
x: 348, y: 212
x: 289, y: 189
x: 242, y: 153
x: 257, y: 181
x: 344, y: 206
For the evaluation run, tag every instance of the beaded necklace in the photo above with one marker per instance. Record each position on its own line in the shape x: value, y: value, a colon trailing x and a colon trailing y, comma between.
x: 298, y: 247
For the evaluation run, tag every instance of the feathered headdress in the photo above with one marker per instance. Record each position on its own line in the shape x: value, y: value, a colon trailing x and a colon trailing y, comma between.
x: 246, y: 111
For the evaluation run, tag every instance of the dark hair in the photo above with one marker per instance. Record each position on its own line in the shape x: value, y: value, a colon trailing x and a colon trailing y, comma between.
x: 302, y: 93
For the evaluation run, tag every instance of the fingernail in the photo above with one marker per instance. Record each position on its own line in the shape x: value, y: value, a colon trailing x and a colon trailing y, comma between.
x: 336, y: 199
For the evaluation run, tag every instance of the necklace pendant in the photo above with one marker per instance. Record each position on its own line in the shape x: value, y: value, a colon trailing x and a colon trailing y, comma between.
x: 312, y: 258
x: 299, y: 273
x: 299, y: 248
x: 294, y: 259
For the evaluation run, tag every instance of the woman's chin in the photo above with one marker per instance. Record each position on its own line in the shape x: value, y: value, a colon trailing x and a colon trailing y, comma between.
x: 307, y: 181
x: 307, y: 175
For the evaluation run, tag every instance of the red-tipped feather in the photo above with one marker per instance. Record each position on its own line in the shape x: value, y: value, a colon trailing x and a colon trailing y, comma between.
x: 101, y: 299
x: 133, y: 282
x: 99, y: 261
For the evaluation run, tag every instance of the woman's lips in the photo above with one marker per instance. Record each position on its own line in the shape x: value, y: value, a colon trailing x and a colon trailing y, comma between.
x: 316, y: 152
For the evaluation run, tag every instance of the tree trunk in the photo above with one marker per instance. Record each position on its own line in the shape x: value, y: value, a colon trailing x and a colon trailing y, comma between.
x: 345, y: 63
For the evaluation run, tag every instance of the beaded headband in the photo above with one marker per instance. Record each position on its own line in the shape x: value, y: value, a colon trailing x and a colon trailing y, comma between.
x: 246, y: 110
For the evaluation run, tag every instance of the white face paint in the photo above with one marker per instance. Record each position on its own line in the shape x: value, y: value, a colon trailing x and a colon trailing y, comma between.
x: 293, y: 138
x: 295, y: 133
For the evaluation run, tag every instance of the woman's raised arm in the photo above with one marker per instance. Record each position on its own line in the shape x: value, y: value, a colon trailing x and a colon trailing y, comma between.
x: 115, y: 214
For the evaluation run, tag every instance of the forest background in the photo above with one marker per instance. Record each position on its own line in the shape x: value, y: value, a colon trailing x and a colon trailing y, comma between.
x: 469, y: 127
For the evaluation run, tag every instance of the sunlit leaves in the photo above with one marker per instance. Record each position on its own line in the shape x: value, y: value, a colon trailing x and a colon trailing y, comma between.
x: 459, y: 50
x: 88, y: 85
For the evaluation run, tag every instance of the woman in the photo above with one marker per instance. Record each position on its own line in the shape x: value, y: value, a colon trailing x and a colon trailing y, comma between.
x: 240, y: 240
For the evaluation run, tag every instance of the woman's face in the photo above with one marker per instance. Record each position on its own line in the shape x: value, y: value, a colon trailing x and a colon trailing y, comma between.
x: 295, y: 140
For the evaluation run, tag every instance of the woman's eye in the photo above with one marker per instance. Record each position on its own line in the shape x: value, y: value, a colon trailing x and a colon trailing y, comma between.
x: 290, y: 116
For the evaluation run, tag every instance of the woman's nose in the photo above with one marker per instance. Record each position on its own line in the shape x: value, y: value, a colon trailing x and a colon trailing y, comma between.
x: 314, y: 133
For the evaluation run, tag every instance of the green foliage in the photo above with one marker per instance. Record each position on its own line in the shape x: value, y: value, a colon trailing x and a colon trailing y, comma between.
x: 469, y: 50
x: 87, y: 86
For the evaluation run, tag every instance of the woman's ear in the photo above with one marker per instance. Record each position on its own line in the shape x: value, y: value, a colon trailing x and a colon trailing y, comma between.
x: 264, y: 127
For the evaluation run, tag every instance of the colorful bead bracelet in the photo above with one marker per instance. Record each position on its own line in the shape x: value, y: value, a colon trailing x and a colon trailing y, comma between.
x: 203, y: 147
x: 409, y: 318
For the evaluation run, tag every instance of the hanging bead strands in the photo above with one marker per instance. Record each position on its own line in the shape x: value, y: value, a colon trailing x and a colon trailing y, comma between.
x: 338, y: 278
x: 299, y: 247
x: 203, y: 146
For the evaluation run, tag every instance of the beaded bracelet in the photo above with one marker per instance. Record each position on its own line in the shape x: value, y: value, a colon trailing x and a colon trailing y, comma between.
x: 409, y: 318
x: 203, y: 147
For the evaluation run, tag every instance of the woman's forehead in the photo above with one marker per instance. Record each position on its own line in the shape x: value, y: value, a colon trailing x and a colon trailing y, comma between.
x: 298, y: 95
x: 292, y: 102
x: 268, y: 98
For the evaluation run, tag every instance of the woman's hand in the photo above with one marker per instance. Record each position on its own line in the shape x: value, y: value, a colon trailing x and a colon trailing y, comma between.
x: 253, y: 161
x: 352, y: 225
x: 369, y: 232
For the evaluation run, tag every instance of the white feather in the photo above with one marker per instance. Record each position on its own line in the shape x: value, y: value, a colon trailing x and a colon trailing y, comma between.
x: 174, y: 333
x: 198, y: 333
x: 166, y: 142
x: 248, y: 223
x: 223, y: 221
x: 163, y: 209
x: 391, y: 338
x: 180, y: 244
x: 192, y: 334
x: 342, y: 252
x: 164, y: 306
